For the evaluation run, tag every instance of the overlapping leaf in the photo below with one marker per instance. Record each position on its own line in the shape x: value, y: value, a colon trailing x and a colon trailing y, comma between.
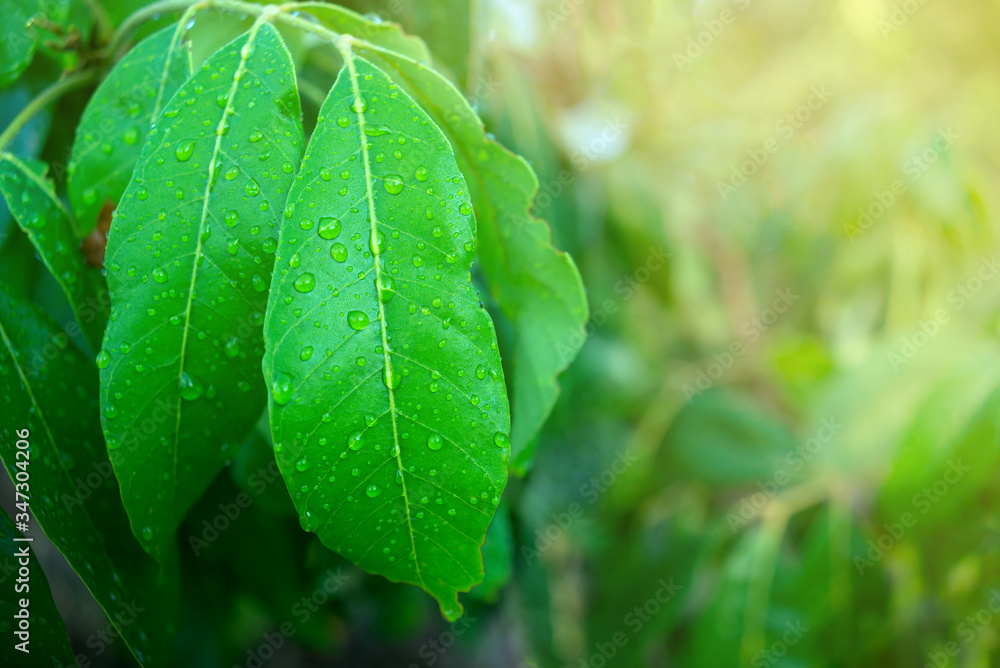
x: 536, y: 286
x: 40, y: 26
x: 388, y: 407
x: 43, y: 217
x: 17, y: 43
x: 113, y: 128
x: 49, y: 389
x: 47, y: 643
x: 189, y: 261
x: 446, y: 26
x: 18, y: 37
x: 384, y: 33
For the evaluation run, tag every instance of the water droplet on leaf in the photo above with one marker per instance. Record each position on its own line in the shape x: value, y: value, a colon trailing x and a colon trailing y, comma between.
x: 329, y: 228
x: 305, y: 283
x: 281, y: 388
x: 190, y: 388
x: 393, y: 184
x: 184, y: 151
x: 357, y: 320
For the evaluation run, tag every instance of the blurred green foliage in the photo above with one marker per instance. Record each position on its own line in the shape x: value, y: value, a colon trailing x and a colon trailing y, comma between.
x: 809, y: 381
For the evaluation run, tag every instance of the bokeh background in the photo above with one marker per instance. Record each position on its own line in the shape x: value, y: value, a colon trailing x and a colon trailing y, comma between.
x: 779, y: 444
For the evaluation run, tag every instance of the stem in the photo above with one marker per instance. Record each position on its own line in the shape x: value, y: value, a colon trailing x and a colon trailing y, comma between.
x: 343, y: 43
x: 51, y: 93
x: 130, y: 24
x: 240, y: 6
x: 102, y: 22
x: 477, y: 55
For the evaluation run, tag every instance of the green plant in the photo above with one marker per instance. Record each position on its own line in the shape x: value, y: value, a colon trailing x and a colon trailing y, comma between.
x: 316, y: 268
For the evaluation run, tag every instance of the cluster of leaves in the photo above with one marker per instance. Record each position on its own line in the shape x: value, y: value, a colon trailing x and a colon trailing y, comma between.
x: 830, y: 501
x: 311, y: 268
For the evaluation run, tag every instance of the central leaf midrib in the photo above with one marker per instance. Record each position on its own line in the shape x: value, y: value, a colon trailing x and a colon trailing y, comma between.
x: 348, y: 55
x: 226, y: 113
x: 453, y: 138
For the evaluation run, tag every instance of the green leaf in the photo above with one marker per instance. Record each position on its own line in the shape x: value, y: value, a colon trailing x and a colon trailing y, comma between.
x: 189, y: 259
x: 17, y: 41
x: 49, y: 390
x: 19, y: 38
x: 388, y: 408
x: 48, y: 644
x: 113, y: 128
x: 446, y: 26
x: 536, y: 286
x: 43, y: 217
x: 385, y: 33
